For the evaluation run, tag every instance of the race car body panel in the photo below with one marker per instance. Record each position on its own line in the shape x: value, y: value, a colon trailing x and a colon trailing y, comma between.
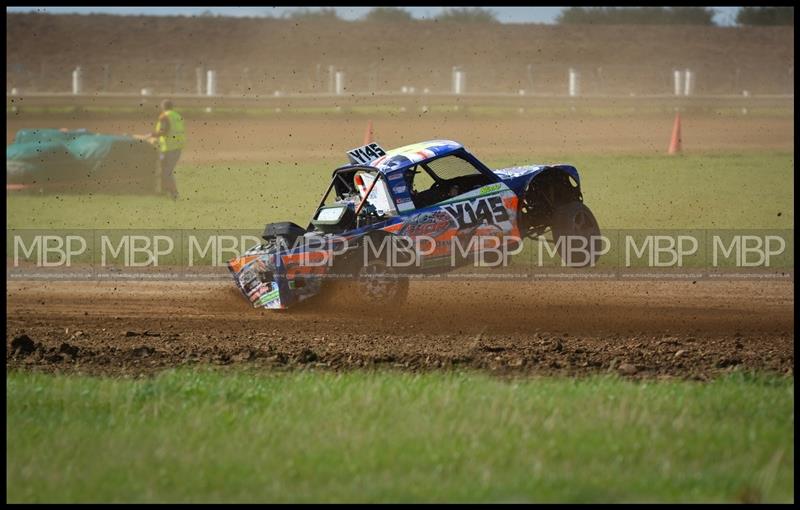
x: 280, y: 278
x: 526, y: 173
x: 379, y: 196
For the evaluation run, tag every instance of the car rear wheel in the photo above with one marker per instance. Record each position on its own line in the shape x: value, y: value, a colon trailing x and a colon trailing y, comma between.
x: 576, y: 234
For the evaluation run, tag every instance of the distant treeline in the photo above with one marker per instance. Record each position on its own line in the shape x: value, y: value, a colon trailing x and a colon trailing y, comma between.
x: 672, y: 16
x: 637, y: 16
x: 765, y: 16
x: 570, y: 15
x: 396, y: 14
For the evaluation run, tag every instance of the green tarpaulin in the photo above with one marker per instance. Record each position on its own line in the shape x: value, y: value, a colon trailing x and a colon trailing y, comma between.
x: 53, y: 159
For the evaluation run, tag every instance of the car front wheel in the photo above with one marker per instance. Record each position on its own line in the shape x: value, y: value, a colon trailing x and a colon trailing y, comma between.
x: 381, y: 284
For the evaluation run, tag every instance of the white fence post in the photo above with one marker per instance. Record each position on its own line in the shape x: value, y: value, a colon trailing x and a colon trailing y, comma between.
x: 677, y: 78
x: 688, y: 82
x: 339, y: 83
x: 574, y: 82
x: 459, y: 80
x: 77, y: 80
x: 211, y: 83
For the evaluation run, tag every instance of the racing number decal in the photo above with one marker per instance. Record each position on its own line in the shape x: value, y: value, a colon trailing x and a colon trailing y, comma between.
x: 488, y: 210
x: 365, y: 154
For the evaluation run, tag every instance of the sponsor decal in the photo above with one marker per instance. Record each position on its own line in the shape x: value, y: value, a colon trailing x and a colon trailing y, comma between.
x: 430, y: 224
x: 250, y: 285
x: 267, y: 298
x: 260, y: 265
x: 395, y: 176
x: 273, y: 304
x: 405, y: 206
x: 490, y: 189
x: 399, y: 189
x: 395, y: 162
x: 488, y: 210
x: 516, y: 171
x: 248, y: 280
x: 262, y: 289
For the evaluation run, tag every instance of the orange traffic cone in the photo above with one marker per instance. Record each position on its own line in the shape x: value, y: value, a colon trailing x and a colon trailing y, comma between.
x: 675, y: 143
x: 368, y: 134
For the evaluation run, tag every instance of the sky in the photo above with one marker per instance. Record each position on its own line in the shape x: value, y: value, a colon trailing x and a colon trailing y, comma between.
x: 724, y: 17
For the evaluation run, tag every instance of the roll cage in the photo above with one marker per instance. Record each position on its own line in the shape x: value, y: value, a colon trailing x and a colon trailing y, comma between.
x: 342, y: 183
x: 344, y: 186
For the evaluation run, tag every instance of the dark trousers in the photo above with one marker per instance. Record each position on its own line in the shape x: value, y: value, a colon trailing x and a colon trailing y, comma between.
x: 167, y: 162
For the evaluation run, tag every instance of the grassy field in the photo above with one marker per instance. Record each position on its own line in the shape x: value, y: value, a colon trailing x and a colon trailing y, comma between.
x: 713, y: 191
x: 211, y: 436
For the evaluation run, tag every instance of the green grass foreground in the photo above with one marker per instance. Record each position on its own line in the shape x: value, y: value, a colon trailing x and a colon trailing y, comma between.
x: 706, y: 191
x: 242, y: 437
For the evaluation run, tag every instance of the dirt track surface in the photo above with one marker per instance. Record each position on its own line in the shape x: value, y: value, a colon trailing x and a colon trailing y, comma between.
x: 637, y: 329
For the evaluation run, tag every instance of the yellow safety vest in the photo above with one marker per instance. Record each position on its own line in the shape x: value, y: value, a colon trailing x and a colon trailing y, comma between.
x: 176, y: 137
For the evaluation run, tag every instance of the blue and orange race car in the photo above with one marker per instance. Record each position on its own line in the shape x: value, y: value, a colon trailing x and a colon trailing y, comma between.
x: 425, y: 207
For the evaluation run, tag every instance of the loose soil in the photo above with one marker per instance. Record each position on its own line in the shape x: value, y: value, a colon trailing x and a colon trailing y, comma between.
x: 637, y: 329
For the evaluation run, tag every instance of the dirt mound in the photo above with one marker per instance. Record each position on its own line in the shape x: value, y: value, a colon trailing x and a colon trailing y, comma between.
x: 262, y: 55
x: 636, y: 329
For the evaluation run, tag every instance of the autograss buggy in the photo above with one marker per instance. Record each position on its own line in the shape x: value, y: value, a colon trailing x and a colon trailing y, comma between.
x: 434, y: 191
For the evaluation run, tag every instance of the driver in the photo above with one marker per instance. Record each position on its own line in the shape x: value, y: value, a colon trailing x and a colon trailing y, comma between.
x: 441, y: 190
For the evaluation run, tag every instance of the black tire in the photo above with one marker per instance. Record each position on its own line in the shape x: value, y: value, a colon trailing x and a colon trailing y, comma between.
x: 370, y: 282
x: 381, y: 284
x: 574, y: 220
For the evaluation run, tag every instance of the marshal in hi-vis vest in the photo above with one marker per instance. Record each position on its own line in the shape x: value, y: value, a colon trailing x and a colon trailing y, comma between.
x: 176, y: 137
